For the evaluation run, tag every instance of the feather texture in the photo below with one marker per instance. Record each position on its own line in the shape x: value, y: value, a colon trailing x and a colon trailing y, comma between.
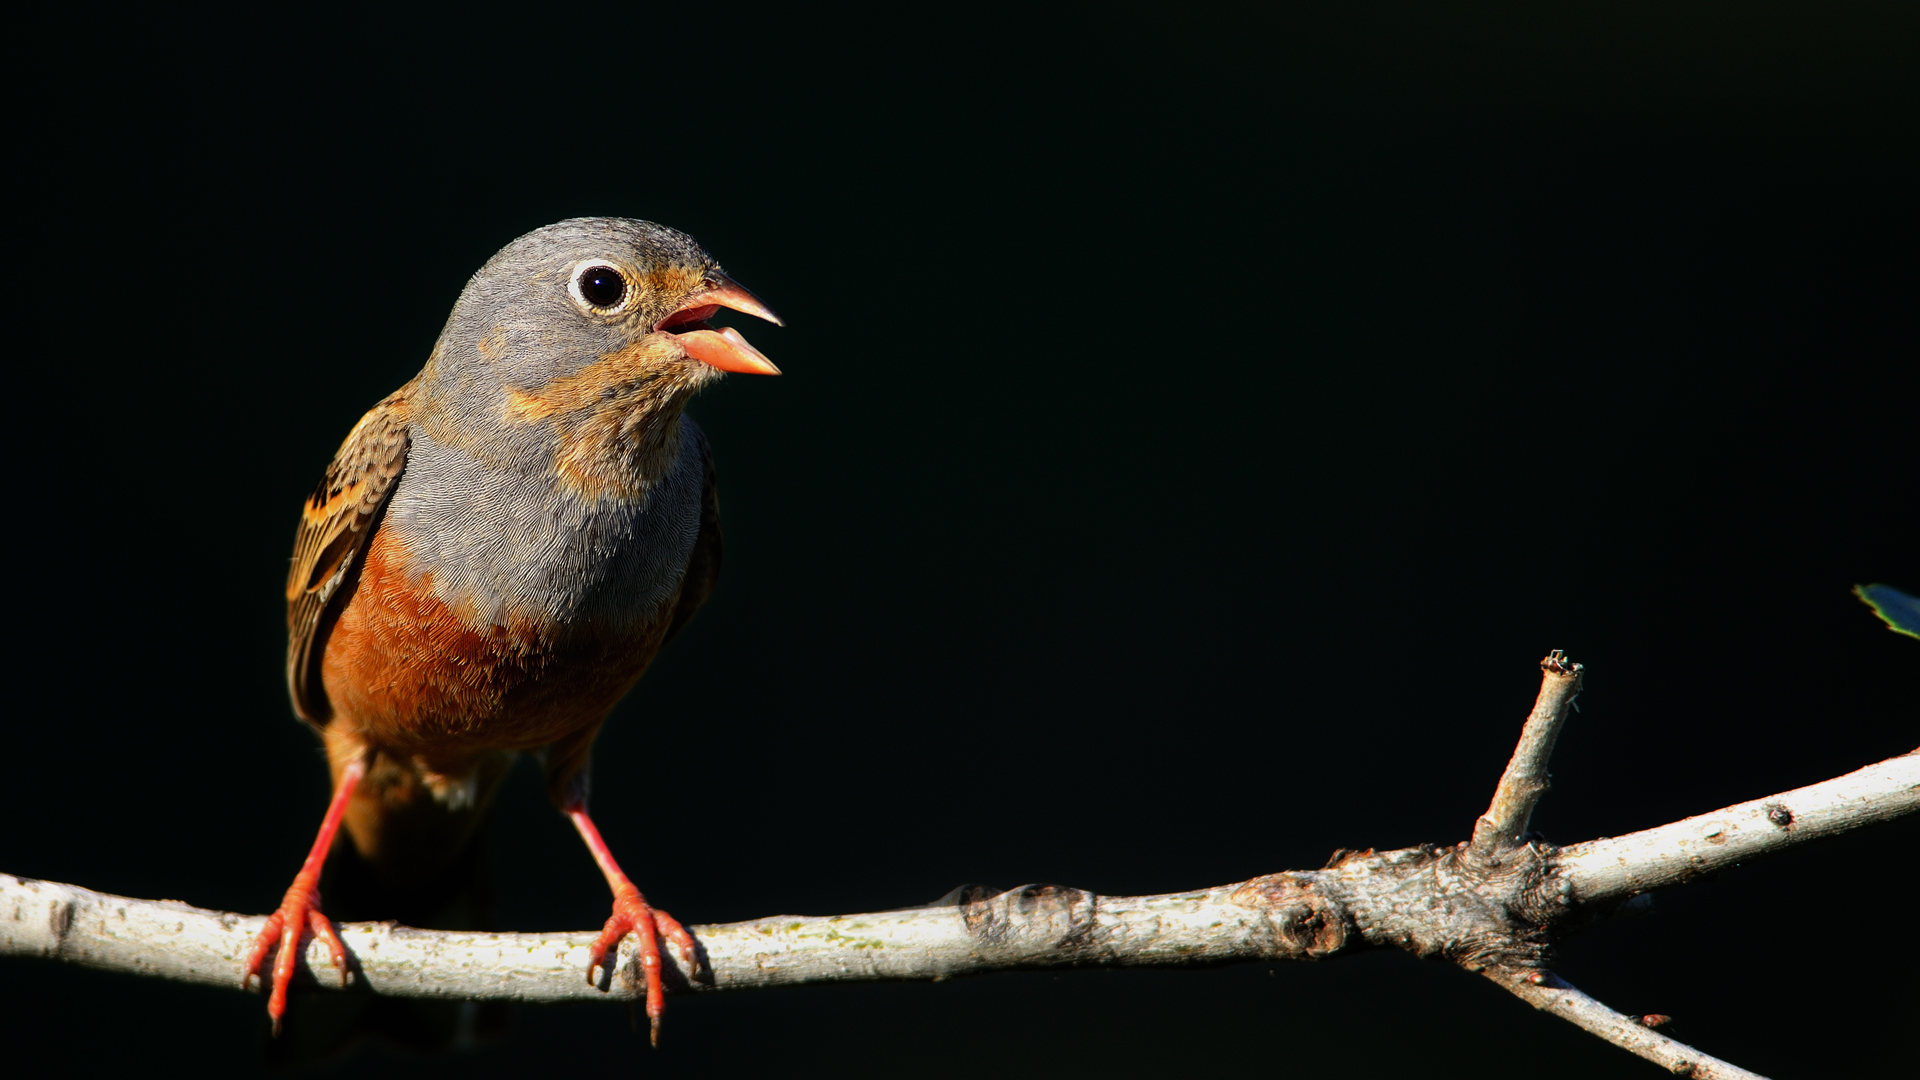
x: 335, y: 525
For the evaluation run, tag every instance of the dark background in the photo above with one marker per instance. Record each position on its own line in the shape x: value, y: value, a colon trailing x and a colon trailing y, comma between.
x: 1195, y: 427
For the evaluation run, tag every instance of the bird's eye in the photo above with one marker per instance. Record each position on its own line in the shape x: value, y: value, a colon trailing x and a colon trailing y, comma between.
x: 602, y: 286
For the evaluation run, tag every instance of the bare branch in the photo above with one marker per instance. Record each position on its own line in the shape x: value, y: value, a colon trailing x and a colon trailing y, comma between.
x: 1427, y: 900
x: 1618, y: 866
x: 1525, y: 780
x: 1549, y: 993
x: 1493, y: 905
x: 1034, y: 926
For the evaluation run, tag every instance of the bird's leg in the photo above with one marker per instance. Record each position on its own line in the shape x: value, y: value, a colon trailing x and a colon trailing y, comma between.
x: 631, y: 914
x: 300, y: 909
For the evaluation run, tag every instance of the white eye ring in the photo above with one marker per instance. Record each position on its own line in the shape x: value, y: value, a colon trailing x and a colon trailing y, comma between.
x: 578, y: 284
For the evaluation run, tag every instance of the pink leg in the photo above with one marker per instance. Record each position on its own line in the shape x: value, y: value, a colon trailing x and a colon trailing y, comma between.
x: 300, y: 910
x: 632, y: 914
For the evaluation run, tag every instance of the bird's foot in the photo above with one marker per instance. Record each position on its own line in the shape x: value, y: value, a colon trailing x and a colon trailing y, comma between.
x: 299, y: 911
x: 633, y: 915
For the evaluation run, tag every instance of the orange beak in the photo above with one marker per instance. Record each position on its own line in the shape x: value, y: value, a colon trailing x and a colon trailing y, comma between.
x: 724, y: 348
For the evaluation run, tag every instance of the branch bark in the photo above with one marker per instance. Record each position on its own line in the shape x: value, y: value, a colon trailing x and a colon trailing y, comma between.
x: 1526, y: 780
x: 1620, y: 866
x: 1494, y: 908
x: 1551, y: 994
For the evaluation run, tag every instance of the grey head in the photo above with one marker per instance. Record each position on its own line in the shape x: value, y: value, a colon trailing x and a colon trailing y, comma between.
x: 550, y: 473
x: 559, y: 300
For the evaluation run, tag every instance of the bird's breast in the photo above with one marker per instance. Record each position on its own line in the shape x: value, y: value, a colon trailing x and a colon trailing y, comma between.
x: 501, y: 610
x: 409, y: 674
x: 502, y: 546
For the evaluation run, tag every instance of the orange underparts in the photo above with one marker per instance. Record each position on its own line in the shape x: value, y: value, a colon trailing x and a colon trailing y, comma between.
x: 300, y: 909
x: 632, y: 914
x: 414, y: 678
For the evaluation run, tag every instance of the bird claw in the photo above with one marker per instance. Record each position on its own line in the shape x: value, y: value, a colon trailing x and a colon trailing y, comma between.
x: 633, y: 915
x: 300, y: 910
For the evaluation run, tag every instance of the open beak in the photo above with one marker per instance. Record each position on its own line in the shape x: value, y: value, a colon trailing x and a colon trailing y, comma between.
x: 724, y: 348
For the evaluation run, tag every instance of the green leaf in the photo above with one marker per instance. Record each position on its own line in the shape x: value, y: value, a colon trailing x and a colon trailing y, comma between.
x: 1901, y: 612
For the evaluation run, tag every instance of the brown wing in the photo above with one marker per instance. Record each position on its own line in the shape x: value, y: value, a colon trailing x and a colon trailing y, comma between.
x: 335, y: 524
x: 703, y: 568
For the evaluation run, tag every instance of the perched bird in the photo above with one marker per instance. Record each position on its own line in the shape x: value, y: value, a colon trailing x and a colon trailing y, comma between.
x: 499, y: 549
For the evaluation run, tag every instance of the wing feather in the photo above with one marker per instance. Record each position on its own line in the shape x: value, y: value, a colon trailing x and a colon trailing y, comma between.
x: 335, y: 525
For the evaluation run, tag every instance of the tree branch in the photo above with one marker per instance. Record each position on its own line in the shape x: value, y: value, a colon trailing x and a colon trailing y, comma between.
x: 1552, y: 994
x: 1618, y: 866
x: 1525, y: 780
x: 1492, y: 905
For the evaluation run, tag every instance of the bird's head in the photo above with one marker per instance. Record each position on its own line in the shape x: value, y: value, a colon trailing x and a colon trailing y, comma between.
x: 589, y: 318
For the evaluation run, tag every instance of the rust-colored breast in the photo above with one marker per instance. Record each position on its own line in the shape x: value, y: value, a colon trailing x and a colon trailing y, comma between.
x: 409, y: 676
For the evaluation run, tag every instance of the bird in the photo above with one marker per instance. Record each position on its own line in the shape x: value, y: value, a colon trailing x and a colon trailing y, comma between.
x: 496, y: 553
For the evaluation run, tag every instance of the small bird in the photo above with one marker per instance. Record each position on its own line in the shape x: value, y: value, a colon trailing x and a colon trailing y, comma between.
x: 497, y: 552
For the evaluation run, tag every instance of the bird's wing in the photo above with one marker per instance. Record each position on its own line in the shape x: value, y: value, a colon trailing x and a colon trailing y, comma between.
x: 335, y: 525
x: 703, y: 568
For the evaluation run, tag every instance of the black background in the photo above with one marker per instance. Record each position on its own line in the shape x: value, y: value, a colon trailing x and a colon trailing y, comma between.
x: 1195, y: 427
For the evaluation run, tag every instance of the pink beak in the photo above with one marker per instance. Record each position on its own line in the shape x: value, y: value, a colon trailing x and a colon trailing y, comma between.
x: 724, y: 348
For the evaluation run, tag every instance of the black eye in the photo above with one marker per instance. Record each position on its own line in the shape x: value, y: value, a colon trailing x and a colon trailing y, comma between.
x: 602, y: 286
